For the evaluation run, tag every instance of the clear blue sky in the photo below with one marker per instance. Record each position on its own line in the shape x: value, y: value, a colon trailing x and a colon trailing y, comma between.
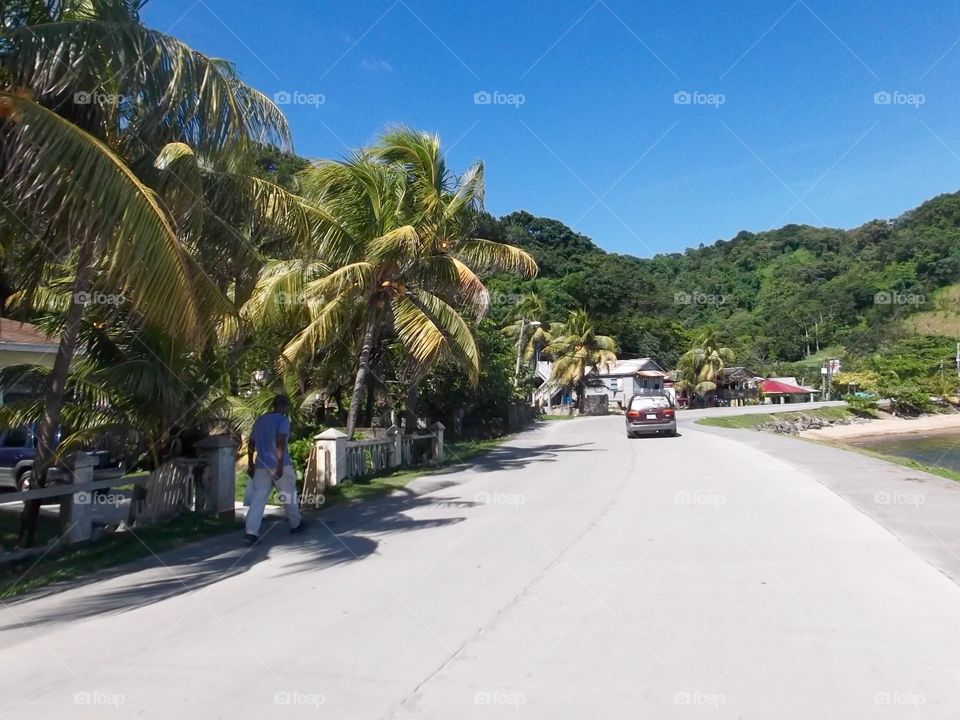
x: 599, y: 141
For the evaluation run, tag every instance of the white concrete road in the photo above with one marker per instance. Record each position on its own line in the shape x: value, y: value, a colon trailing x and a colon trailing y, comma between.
x: 570, y: 574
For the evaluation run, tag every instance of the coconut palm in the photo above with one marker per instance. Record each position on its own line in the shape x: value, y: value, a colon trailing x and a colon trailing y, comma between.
x: 530, y: 308
x: 577, y: 350
x: 701, y: 365
x: 396, y: 231
x: 89, y: 98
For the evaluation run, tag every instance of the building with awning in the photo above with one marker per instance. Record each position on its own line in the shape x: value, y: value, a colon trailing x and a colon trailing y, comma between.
x: 785, y: 390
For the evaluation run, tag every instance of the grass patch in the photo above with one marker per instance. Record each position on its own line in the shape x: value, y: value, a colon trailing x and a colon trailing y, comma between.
x: 752, y: 421
x: 69, y: 562
x: 556, y: 417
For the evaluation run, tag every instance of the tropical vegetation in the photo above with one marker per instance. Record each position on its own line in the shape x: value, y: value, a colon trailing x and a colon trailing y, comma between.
x: 155, y: 221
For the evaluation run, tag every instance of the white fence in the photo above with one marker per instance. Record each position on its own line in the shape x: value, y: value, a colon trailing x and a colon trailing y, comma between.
x: 336, y: 458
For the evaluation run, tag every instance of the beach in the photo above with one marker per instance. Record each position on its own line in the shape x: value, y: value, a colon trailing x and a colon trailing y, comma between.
x: 888, y: 425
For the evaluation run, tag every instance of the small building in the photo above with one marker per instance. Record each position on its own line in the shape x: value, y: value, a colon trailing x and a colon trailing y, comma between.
x: 785, y: 390
x: 626, y: 378
x: 22, y: 343
x: 737, y: 386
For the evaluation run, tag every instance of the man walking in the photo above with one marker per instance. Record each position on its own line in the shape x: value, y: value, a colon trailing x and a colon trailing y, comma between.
x: 269, y: 438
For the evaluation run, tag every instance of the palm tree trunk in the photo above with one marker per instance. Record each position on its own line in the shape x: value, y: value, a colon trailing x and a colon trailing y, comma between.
x: 357, y: 398
x: 410, y: 404
x: 56, y: 389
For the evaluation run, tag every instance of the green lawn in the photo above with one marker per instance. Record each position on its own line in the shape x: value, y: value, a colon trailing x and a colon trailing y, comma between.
x: 752, y: 421
x: 557, y: 417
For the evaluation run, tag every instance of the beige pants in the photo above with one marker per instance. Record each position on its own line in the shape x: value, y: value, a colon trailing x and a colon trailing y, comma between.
x: 261, y: 482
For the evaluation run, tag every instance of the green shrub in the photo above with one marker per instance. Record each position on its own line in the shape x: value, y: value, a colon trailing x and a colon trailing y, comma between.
x: 908, y: 400
x: 861, y: 406
x: 299, y: 452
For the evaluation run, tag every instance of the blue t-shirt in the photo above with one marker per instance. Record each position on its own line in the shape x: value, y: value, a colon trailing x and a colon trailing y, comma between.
x: 265, y: 431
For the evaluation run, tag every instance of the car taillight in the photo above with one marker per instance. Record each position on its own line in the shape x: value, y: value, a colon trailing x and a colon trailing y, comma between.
x: 668, y: 412
x: 633, y: 414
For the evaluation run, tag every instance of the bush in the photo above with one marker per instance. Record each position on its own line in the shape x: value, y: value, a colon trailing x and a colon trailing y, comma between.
x: 861, y: 405
x: 908, y: 401
x: 299, y: 452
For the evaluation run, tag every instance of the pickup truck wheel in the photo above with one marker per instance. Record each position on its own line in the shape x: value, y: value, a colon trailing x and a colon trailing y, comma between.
x: 25, y: 481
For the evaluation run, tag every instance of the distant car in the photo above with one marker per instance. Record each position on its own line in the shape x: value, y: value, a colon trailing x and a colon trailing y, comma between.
x: 650, y: 415
x: 18, y: 446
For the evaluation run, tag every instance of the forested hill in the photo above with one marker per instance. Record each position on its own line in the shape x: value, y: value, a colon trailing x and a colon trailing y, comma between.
x: 769, y: 294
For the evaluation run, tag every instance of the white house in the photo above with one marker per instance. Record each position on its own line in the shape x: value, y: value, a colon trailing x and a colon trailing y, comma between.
x: 640, y: 376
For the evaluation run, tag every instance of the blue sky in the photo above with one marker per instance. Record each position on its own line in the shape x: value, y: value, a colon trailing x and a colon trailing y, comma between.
x: 650, y: 126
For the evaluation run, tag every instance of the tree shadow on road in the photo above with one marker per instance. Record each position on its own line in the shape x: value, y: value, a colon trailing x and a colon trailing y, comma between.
x: 508, y: 457
x: 336, y: 536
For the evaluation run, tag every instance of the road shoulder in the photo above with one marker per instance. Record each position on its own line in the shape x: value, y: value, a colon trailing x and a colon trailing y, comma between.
x: 918, y: 508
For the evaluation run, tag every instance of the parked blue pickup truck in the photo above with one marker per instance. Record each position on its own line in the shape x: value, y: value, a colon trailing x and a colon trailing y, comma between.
x: 17, y: 449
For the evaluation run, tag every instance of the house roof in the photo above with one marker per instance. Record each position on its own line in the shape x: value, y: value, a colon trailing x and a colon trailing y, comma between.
x: 790, y: 380
x: 645, y: 367
x: 14, y: 333
x: 737, y: 374
x: 776, y: 387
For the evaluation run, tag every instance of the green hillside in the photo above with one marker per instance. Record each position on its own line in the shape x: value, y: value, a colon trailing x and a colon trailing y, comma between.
x: 772, y: 296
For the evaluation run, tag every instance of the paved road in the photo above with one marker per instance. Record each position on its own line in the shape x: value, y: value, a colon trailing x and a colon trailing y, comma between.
x: 572, y: 574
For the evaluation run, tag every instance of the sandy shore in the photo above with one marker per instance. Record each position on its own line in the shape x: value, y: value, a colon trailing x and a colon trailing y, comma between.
x: 889, y: 425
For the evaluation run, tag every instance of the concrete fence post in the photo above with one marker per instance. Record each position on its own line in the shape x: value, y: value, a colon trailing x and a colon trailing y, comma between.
x: 438, y: 428
x: 396, y: 446
x: 334, y: 442
x: 76, y: 511
x: 219, y: 452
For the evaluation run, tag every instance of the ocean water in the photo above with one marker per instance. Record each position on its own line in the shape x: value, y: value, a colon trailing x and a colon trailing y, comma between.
x: 942, y: 450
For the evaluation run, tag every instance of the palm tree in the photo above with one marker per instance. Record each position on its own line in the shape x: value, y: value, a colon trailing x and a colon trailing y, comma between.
x: 578, y: 350
x: 396, y: 231
x: 529, y: 309
x: 89, y: 99
x: 701, y: 365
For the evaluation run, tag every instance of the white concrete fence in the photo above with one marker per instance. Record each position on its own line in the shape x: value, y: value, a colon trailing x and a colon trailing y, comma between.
x: 335, y: 458
x: 205, y: 485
